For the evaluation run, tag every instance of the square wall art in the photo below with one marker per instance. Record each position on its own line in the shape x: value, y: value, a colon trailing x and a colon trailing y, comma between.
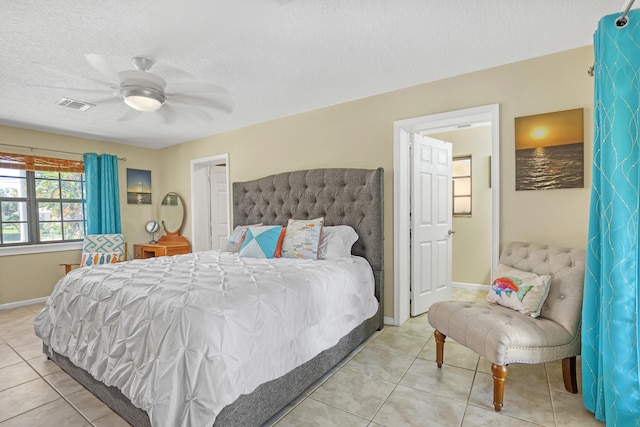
x: 550, y: 150
x: 138, y: 187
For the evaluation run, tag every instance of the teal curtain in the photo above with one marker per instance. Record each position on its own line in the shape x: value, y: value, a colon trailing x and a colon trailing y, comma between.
x: 103, y: 196
x: 610, y: 316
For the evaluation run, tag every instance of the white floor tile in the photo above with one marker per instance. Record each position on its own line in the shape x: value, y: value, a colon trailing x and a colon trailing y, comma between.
x: 391, y: 380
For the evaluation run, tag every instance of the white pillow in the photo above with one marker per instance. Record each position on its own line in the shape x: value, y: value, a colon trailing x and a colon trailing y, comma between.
x: 336, y: 242
x: 523, y: 291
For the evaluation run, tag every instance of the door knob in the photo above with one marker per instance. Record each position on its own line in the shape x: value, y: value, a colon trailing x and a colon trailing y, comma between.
x: 450, y: 232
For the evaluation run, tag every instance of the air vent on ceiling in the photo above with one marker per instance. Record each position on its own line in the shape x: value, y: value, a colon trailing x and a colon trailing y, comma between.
x: 74, y: 105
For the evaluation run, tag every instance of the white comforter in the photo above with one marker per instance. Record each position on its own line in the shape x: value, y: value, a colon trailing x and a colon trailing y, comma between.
x: 184, y: 336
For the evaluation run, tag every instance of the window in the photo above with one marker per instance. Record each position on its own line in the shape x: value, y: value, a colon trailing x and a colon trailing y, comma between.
x: 42, y: 200
x: 461, y: 173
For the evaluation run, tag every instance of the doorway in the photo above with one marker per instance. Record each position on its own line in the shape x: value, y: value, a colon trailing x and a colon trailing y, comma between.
x: 209, y: 202
x: 471, y: 213
x: 403, y: 131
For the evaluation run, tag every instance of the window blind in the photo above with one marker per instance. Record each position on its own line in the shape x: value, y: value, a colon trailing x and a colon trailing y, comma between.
x: 41, y: 164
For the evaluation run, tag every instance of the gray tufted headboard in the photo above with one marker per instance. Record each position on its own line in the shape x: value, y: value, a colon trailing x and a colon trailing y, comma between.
x: 342, y: 196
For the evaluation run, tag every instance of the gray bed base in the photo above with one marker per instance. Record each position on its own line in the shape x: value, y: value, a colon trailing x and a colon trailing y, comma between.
x: 342, y: 196
x: 249, y: 409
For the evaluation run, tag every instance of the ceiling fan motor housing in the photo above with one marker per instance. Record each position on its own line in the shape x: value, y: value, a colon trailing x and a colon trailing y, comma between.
x: 142, y: 90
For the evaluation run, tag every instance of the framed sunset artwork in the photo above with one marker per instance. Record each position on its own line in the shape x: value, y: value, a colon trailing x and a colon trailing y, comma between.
x: 550, y: 150
x: 138, y: 187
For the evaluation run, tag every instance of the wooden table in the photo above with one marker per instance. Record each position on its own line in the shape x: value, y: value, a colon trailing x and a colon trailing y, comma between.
x: 166, y: 246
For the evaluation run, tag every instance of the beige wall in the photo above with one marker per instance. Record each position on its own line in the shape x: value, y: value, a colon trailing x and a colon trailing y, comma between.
x: 471, y: 254
x: 24, y: 277
x: 360, y: 134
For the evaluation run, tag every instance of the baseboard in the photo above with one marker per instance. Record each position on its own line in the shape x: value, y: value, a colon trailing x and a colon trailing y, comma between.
x: 390, y: 321
x: 472, y: 286
x: 17, y: 304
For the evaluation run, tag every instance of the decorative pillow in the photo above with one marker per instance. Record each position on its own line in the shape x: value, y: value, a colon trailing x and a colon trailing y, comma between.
x: 336, y: 242
x: 104, y: 243
x: 96, y: 258
x: 278, y: 252
x: 302, y: 238
x: 234, y: 242
x: 519, y: 290
x: 261, y: 242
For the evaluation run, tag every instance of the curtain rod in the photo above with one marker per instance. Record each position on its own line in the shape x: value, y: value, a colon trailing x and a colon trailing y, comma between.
x: 124, y: 159
x: 620, y: 22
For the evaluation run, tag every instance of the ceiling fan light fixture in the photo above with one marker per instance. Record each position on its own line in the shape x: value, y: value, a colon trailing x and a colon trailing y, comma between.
x: 143, y: 99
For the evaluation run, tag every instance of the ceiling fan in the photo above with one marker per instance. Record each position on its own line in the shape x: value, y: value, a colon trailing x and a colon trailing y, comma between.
x: 146, y: 92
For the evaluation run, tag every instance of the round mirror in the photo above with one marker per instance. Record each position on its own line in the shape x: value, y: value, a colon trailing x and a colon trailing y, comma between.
x: 172, y: 213
x: 152, y: 228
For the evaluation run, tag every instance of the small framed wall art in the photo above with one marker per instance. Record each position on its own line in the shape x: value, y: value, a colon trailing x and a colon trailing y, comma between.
x: 550, y: 150
x: 138, y: 187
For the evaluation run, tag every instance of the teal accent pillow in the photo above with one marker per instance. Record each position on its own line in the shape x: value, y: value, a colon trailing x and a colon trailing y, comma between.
x: 235, y: 240
x: 260, y: 242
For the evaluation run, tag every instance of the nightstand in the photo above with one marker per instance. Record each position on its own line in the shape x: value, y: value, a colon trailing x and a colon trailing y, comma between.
x: 166, y: 246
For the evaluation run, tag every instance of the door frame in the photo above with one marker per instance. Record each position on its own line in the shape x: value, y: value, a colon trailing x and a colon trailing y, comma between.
x: 402, y: 129
x: 219, y: 160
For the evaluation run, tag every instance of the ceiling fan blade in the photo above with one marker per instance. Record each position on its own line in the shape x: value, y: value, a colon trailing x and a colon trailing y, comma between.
x: 182, y: 87
x: 221, y: 105
x: 130, y: 114
x: 169, y: 72
x: 72, y: 76
x: 77, y: 89
x: 102, y: 66
x: 168, y: 113
x: 195, y: 111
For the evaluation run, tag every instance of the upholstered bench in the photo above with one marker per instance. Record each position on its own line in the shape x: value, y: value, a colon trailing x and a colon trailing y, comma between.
x: 504, y: 335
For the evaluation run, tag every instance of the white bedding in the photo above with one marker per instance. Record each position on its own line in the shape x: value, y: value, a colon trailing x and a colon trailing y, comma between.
x: 184, y: 336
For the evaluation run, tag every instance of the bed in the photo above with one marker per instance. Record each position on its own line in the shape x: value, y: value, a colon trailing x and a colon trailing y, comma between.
x: 342, y: 197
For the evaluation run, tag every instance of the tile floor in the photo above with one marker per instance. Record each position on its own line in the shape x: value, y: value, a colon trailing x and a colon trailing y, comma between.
x: 391, y: 380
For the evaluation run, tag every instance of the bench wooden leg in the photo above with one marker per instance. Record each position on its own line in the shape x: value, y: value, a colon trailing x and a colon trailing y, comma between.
x: 499, y: 376
x: 569, y: 374
x: 440, y: 337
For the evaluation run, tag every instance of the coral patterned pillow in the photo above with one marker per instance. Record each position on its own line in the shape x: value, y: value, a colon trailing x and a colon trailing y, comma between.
x: 89, y: 259
x: 519, y: 290
x: 278, y: 252
x: 302, y: 238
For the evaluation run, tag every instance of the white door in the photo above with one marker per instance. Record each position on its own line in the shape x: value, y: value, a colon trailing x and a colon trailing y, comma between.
x: 219, y: 206
x: 200, y: 208
x: 431, y: 219
x: 209, y: 202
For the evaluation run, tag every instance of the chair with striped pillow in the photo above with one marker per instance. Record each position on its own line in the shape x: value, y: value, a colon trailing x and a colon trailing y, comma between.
x: 101, y: 249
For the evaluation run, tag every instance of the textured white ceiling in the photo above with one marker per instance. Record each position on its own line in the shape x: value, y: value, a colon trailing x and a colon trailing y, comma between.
x: 275, y: 57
